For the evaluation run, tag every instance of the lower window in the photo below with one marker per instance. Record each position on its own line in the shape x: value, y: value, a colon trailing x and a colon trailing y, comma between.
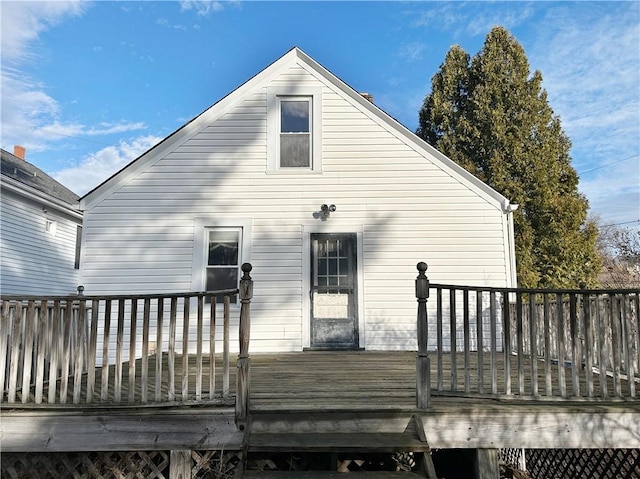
x: 223, y: 259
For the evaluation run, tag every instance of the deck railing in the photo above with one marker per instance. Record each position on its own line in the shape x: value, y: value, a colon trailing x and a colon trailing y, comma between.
x: 532, y: 343
x: 130, y: 350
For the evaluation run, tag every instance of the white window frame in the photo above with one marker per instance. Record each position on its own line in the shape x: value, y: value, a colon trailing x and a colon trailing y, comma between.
x: 202, y: 226
x: 274, y: 97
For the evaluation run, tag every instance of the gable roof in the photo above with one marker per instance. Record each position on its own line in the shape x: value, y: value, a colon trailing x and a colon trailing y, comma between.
x: 24, y: 173
x: 295, y: 56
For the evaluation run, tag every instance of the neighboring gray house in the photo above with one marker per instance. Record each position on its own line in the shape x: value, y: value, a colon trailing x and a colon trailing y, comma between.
x: 332, y: 201
x: 40, y: 230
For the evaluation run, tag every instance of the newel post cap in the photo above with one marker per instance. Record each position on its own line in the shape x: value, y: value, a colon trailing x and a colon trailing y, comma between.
x: 422, y: 282
x: 246, y: 283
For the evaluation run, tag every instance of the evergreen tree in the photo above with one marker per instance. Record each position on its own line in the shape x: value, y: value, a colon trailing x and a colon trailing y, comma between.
x: 492, y: 117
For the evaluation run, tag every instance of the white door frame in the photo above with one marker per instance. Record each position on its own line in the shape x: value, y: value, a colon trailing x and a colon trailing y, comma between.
x: 306, y: 277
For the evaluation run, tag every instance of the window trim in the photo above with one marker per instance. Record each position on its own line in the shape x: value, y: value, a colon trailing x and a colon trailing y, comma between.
x: 308, y: 134
x: 274, y: 96
x: 202, y: 226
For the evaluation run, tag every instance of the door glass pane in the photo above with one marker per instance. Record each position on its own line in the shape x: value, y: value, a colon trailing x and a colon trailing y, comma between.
x: 344, y: 266
x: 322, y: 267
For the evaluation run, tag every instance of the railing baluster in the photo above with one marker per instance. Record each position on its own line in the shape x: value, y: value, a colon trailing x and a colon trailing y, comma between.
x: 533, y: 344
x: 56, y: 336
x: 159, y: 354
x: 628, y: 345
x: 493, y: 326
x: 14, y: 365
x: 133, y: 326
x: 562, y: 385
x: 467, y: 341
x: 200, y: 321
x: 452, y: 339
x: 171, y: 355
x: 506, y: 317
x: 602, y: 347
x: 439, y: 339
x: 67, y: 332
x: 42, y: 345
x: 576, y: 361
x: 28, y: 350
x: 588, y: 343
x: 212, y: 347
x: 520, y: 343
x: 79, y: 359
x: 480, y: 340
x: 635, y: 300
x: 5, y: 327
x: 185, y: 349
x: 144, y: 361
x: 92, y: 350
x: 616, y: 344
x: 225, y: 347
x: 548, y: 384
x: 117, y: 387
x: 104, y: 392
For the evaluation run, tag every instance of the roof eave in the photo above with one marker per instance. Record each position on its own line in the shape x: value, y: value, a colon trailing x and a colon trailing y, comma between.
x: 41, y: 197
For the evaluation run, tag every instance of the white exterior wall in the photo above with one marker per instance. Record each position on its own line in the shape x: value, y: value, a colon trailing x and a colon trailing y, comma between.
x: 405, y: 206
x: 33, y: 260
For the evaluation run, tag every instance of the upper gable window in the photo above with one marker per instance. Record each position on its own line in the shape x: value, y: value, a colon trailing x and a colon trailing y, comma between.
x: 294, y: 130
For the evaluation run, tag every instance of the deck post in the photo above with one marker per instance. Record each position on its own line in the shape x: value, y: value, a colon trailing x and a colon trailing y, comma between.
x: 487, y: 466
x: 423, y: 371
x: 180, y: 464
x: 243, y: 378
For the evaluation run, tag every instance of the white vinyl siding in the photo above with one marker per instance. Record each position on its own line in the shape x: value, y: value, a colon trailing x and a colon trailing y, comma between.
x: 36, y: 258
x: 405, y: 204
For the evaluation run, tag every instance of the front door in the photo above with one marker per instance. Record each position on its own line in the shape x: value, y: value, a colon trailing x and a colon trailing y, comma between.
x: 334, y: 302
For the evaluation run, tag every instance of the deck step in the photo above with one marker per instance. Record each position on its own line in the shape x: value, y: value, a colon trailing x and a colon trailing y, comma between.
x: 336, y: 442
x: 330, y: 475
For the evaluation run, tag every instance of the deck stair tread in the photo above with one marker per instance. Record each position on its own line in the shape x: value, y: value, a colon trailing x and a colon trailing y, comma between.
x: 337, y: 442
x: 329, y: 474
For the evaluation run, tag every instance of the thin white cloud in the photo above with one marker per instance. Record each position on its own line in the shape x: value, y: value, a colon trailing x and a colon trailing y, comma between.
x: 471, y: 18
x: 98, y: 166
x: 591, y: 68
x: 201, y: 7
x: 412, y: 51
x: 30, y: 116
x: 22, y: 23
x: 26, y: 107
x: 590, y: 62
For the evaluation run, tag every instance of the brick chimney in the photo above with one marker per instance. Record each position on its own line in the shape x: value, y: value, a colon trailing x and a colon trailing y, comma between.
x: 19, y: 151
x: 367, y: 96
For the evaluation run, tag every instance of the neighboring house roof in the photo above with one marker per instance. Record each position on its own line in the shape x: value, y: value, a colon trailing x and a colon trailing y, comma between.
x: 27, y: 174
x: 294, y: 57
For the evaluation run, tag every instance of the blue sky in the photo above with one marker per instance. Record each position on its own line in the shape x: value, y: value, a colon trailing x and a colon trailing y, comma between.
x: 88, y: 86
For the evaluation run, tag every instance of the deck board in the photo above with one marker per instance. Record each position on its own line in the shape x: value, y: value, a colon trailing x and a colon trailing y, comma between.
x: 309, y: 397
x: 318, y: 380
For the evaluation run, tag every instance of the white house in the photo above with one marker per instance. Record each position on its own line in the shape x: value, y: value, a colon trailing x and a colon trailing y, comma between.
x: 40, y: 230
x: 331, y: 200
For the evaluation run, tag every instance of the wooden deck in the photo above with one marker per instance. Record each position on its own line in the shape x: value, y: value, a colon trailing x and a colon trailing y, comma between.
x: 312, y: 400
x: 62, y: 396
